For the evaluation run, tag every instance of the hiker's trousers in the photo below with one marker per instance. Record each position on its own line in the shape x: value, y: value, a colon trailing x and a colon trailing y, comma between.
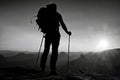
x: 50, y: 39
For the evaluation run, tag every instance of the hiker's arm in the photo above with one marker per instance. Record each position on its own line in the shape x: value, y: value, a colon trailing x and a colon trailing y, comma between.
x: 63, y: 25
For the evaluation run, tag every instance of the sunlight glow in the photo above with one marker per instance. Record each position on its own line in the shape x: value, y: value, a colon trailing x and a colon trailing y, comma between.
x: 102, y: 45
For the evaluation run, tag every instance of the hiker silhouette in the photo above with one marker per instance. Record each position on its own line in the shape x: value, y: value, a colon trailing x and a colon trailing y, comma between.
x: 51, y: 21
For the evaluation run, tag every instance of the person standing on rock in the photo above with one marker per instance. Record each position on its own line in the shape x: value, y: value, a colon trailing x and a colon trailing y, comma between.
x: 51, y: 21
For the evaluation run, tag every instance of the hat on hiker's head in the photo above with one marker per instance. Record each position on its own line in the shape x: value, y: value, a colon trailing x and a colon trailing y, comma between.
x: 52, y: 6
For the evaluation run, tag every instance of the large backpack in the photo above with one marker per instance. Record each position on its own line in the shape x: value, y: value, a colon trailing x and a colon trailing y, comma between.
x: 41, y: 19
x: 48, y: 22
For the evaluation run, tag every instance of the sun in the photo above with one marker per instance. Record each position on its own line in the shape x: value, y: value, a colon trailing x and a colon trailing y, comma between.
x: 102, y: 45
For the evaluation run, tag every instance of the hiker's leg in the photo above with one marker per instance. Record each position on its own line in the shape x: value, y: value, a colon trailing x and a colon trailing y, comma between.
x: 45, y: 53
x: 54, y: 56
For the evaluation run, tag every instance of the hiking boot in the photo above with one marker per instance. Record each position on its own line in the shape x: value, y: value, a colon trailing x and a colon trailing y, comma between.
x: 54, y: 73
x: 42, y: 70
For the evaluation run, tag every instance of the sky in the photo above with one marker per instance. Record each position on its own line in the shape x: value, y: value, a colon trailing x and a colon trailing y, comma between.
x: 89, y: 21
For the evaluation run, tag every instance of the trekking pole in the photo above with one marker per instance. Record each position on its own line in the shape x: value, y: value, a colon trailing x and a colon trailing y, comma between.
x: 39, y: 52
x: 68, y: 55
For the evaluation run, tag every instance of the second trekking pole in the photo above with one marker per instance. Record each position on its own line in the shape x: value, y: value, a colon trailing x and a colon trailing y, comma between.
x: 68, y: 55
x: 39, y: 52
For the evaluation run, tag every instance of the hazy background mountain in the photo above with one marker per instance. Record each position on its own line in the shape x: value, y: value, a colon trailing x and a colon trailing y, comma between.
x: 105, y: 62
x: 7, y: 53
x: 28, y: 59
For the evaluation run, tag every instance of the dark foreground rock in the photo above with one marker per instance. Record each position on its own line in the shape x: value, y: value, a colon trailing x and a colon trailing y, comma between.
x: 19, y: 73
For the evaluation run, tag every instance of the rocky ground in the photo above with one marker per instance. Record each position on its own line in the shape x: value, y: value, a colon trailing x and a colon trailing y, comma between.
x: 19, y: 73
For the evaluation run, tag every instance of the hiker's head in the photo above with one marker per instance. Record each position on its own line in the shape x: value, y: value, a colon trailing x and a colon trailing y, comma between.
x: 52, y: 7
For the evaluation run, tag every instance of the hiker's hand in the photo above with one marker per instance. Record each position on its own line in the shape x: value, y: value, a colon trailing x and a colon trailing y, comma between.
x: 69, y: 33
